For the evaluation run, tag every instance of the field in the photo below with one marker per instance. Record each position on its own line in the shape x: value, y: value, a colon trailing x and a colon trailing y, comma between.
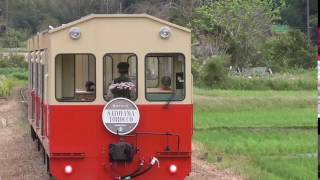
x: 259, y: 134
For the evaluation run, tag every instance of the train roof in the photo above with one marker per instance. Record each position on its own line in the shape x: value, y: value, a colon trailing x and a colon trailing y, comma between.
x: 42, y: 39
x: 93, y: 16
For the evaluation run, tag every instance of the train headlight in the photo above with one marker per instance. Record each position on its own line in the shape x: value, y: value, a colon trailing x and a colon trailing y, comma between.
x: 68, y: 169
x: 173, y: 169
x: 75, y: 33
x: 165, y: 32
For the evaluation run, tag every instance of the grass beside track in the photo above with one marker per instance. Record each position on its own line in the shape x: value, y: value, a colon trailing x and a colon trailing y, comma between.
x: 259, y: 134
x: 10, y: 77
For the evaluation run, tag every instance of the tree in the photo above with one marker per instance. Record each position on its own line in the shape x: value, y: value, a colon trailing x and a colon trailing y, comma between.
x: 294, y: 14
x: 238, y: 27
x: 13, y: 39
x: 288, y: 51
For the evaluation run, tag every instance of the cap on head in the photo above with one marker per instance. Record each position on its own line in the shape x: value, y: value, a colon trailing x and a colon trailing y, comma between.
x: 123, y: 67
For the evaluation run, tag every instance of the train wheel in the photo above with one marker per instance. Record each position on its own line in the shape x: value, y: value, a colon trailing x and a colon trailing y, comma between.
x: 44, y: 156
x: 33, y: 134
x: 48, y: 168
x: 38, y: 144
x: 48, y: 164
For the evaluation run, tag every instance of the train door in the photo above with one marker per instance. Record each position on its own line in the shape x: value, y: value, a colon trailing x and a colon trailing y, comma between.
x: 38, y: 90
x: 29, y: 97
x: 35, y: 87
x: 42, y: 72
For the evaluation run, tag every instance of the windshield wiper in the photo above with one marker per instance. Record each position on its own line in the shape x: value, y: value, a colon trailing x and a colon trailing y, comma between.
x: 169, y: 100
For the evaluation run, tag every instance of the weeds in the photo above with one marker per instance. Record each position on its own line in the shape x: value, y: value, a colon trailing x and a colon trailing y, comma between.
x: 5, y: 86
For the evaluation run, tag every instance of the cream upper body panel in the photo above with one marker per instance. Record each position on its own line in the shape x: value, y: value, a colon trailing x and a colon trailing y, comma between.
x: 102, y: 34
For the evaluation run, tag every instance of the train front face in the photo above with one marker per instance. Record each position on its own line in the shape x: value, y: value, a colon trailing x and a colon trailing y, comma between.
x: 135, y: 121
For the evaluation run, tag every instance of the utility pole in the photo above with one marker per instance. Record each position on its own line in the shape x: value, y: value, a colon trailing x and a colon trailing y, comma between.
x: 120, y: 8
x: 308, y: 19
x: 7, y: 12
x: 107, y: 6
x: 79, y: 14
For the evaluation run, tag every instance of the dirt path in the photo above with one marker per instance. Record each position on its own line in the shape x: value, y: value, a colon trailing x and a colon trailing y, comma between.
x: 202, y: 170
x: 20, y: 160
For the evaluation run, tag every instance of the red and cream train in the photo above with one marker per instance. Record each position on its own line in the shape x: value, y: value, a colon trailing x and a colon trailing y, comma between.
x: 90, y: 123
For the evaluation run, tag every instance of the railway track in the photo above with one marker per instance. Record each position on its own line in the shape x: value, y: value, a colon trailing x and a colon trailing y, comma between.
x: 23, y: 96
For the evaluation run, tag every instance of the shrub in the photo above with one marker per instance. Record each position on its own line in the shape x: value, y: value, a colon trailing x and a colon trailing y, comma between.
x: 215, y: 72
x: 13, y: 61
x: 15, y: 73
x: 196, y: 70
x: 21, y: 75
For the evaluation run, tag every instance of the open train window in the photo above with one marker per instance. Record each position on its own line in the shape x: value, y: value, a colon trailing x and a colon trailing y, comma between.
x: 165, y: 77
x: 75, y: 77
x: 120, y: 76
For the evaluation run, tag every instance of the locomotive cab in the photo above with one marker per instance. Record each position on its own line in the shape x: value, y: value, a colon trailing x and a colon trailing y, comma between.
x: 110, y: 97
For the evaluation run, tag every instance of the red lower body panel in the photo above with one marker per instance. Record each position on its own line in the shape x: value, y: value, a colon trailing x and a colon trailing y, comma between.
x: 79, y: 138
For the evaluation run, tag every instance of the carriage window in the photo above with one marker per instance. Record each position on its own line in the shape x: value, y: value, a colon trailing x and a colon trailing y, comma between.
x: 75, y: 77
x: 164, y: 75
x: 120, y: 76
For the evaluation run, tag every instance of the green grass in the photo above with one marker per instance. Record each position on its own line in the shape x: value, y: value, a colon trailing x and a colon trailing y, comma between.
x: 264, y: 154
x: 282, y: 117
x: 269, y: 142
x: 259, y: 134
x: 9, y: 77
x: 254, y: 93
x: 5, y: 86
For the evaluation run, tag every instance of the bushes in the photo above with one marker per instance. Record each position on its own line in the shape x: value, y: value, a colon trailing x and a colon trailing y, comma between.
x: 215, y: 72
x: 13, y: 61
x: 267, y: 84
x: 296, y: 81
x: 210, y: 71
x: 15, y: 73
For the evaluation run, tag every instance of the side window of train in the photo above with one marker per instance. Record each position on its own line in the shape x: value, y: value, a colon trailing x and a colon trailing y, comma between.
x: 165, y: 77
x: 120, y: 76
x: 75, y: 77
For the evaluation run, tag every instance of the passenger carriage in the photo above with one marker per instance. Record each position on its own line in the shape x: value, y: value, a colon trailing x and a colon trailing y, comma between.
x: 92, y: 125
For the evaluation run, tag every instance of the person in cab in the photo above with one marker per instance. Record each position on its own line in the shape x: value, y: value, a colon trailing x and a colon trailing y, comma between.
x: 122, y: 86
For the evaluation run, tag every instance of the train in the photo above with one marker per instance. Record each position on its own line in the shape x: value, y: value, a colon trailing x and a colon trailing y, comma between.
x: 110, y: 97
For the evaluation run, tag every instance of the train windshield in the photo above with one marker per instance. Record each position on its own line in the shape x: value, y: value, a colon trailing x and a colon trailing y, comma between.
x: 164, y: 76
x: 75, y: 77
x: 120, y: 76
